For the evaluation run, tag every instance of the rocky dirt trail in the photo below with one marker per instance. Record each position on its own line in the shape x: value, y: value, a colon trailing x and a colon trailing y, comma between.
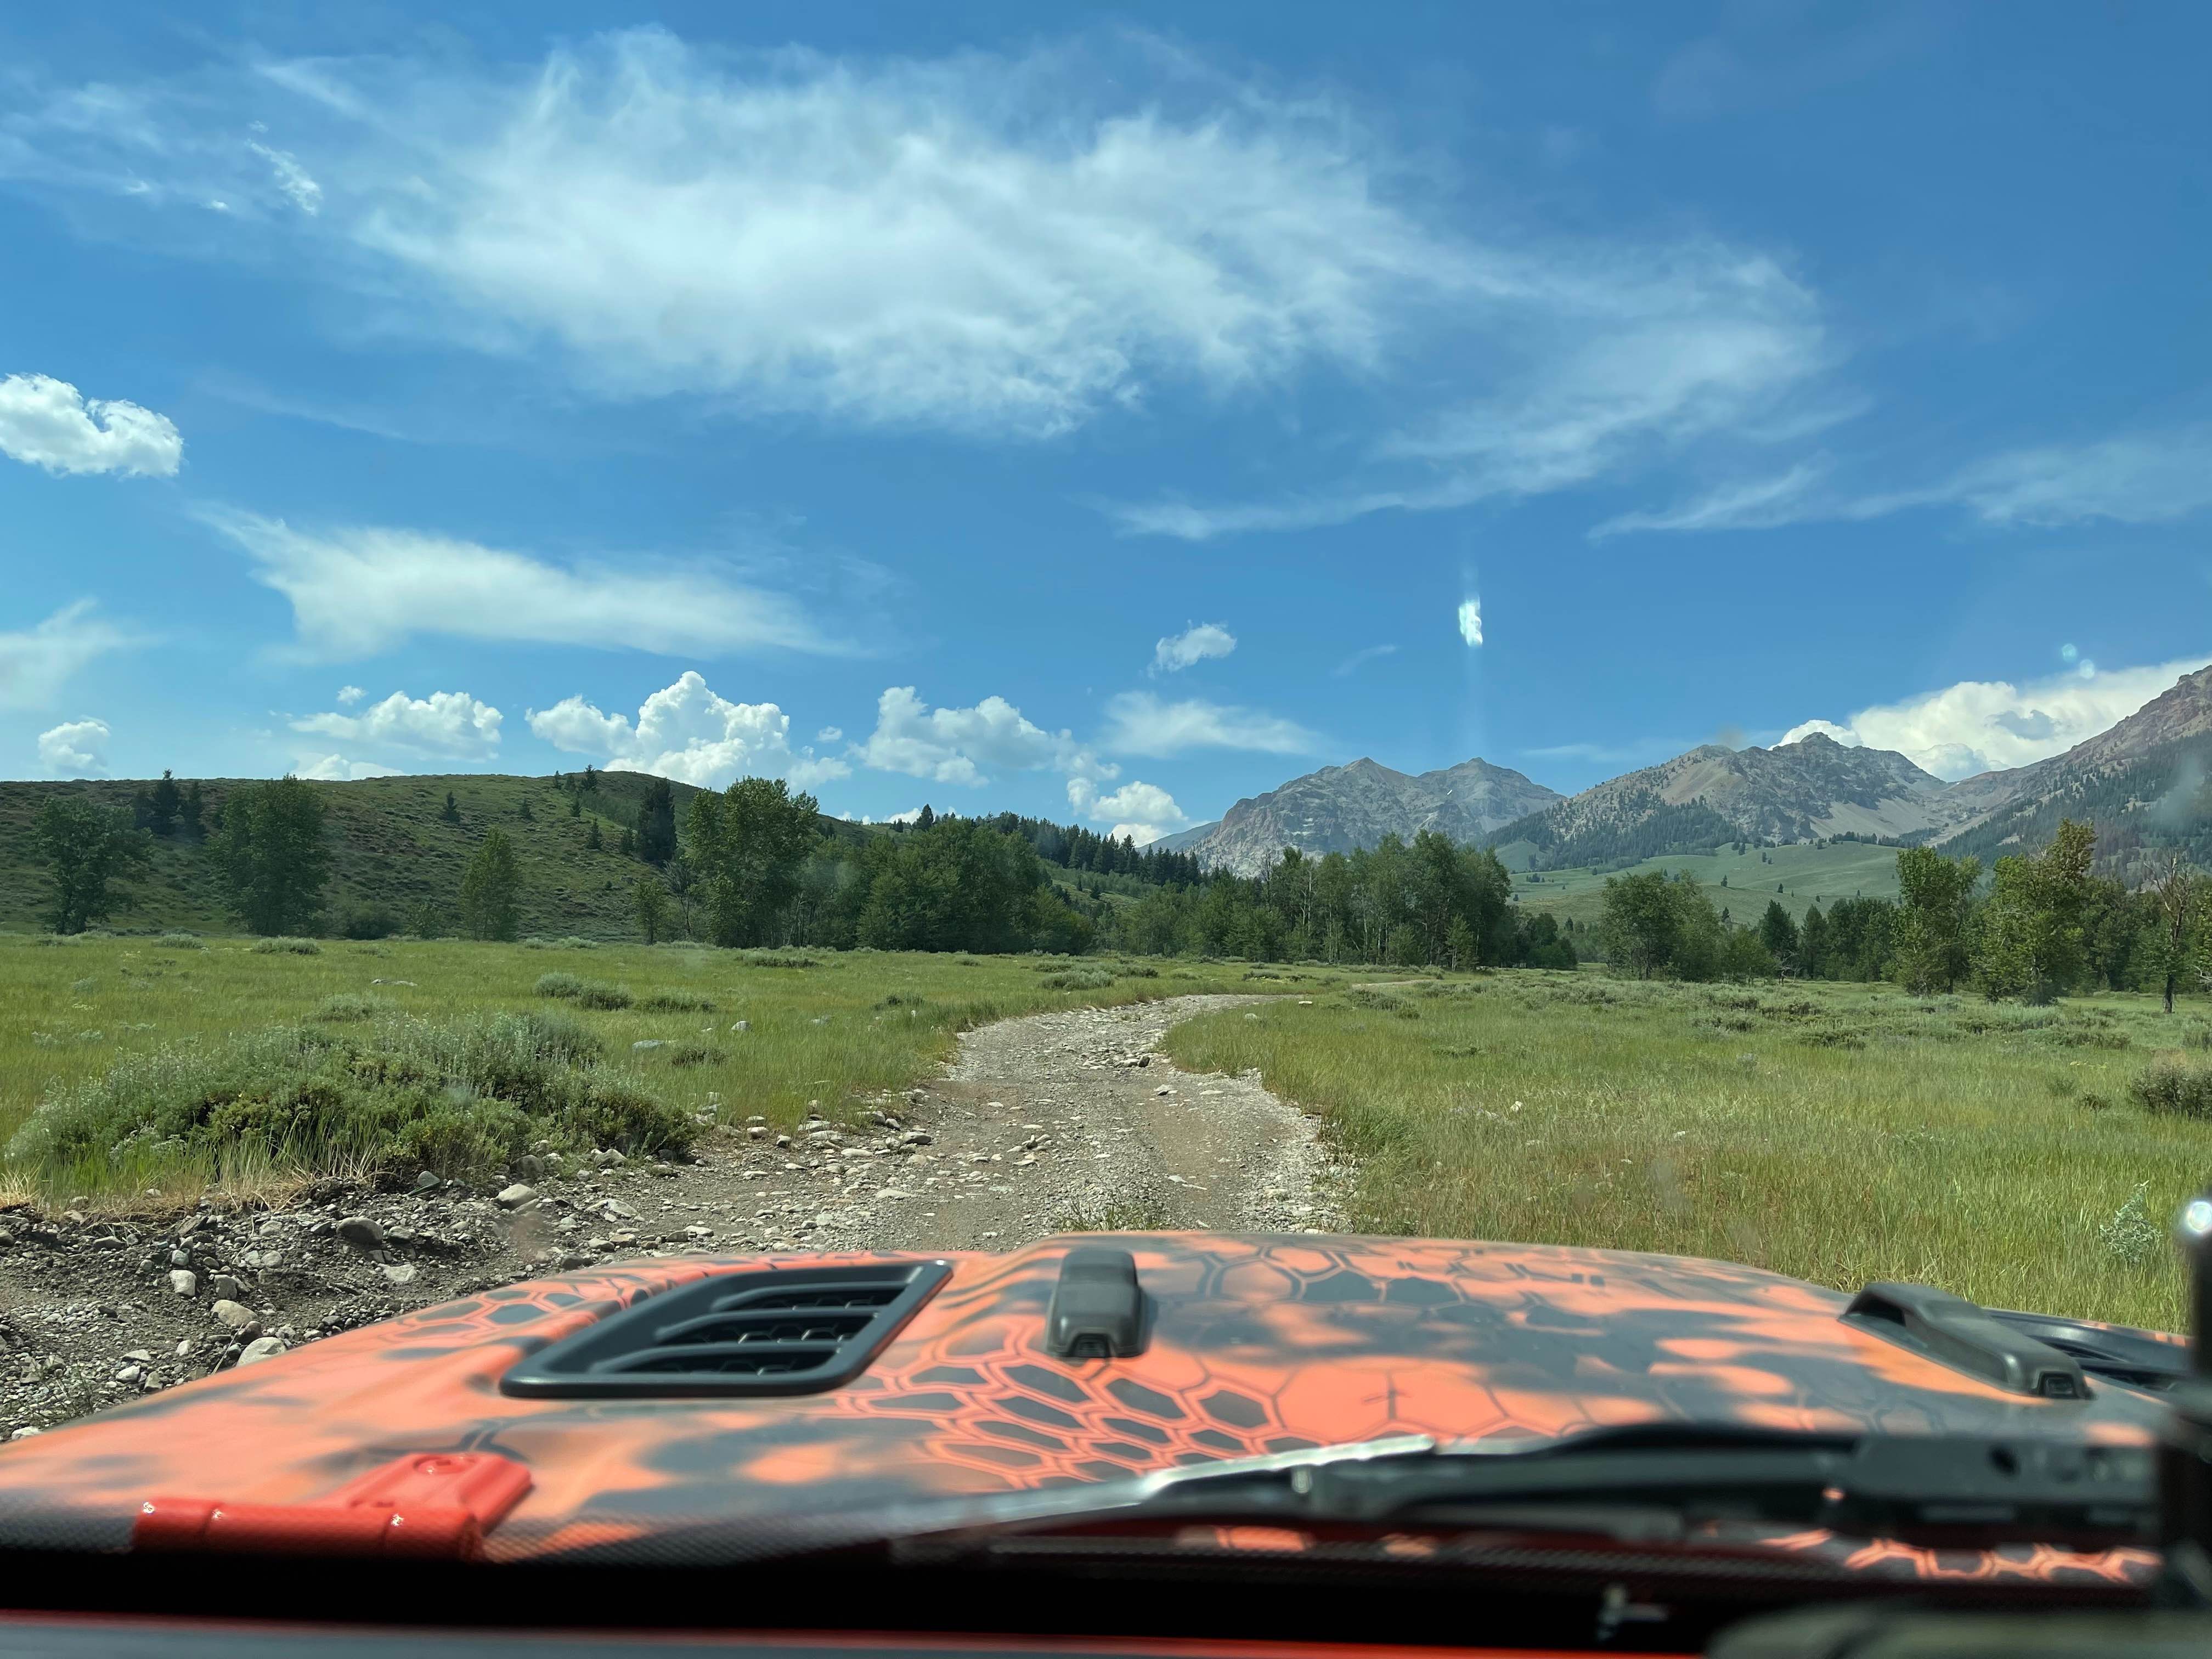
x: 1051, y: 1123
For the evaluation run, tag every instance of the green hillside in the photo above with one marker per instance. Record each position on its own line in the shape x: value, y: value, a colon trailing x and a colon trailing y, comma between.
x: 391, y: 846
x: 1806, y: 874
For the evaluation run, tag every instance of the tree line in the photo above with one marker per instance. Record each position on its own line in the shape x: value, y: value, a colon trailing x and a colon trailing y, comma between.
x: 2043, y: 925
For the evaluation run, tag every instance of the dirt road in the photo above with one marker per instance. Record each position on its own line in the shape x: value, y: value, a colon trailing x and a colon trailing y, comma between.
x: 1050, y: 1123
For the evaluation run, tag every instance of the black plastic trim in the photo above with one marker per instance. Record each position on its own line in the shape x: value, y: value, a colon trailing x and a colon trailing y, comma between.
x: 2114, y: 1354
x: 775, y: 1331
x: 1098, y: 1309
x: 1959, y: 1334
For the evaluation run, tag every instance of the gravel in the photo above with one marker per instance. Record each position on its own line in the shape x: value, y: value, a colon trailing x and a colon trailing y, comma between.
x: 1045, y: 1124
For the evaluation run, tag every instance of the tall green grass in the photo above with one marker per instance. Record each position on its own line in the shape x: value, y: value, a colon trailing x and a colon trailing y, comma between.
x: 1839, y: 1134
x: 839, y: 1029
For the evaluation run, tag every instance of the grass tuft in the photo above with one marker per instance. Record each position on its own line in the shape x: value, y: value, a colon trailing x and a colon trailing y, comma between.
x: 280, y: 946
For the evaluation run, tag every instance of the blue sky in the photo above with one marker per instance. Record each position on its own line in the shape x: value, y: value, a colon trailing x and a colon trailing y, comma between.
x: 1105, y: 419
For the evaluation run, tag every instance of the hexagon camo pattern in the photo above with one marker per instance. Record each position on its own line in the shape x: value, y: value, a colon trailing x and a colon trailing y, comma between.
x: 1257, y: 1345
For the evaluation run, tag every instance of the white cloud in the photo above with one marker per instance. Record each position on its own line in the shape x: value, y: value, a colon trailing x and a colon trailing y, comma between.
x: 1194, y: 645
x: 336, y: 768
x: 443, y: 723
x: 75, y: 749
x: 2149, y: 477
x: 48, y: 423
x: 1598, y: 361
x: 358, y: 591
x: 291, y: 178
x: 1139, y: 723
x: 1470, y: 620
x: 36, y: 662
x: 688, y: 733
x: 350, y: 694
x: 1757, y: 504
x: 1139, y: 811
x: 954, y: 745
x: 2145, y: 478
x: 1359, y: 660
x: 985, y: 242
x: 831, y: 734
x: 1984, y: 725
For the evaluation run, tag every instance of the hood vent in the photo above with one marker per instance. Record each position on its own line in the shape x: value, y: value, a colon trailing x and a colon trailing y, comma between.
x: 783, y: 1330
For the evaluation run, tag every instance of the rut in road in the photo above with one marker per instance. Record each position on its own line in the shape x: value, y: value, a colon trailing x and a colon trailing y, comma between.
x: 1054, y: 1122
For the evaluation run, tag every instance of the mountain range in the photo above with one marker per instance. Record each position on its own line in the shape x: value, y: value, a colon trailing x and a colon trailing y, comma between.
x: 2143, y: 780
x: 1340, y: 808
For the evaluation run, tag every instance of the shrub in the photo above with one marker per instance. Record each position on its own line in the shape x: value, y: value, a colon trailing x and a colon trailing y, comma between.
x: 348, y: 1007
x: 676, y: 1002
x: 2131, y: 1236
x: 559, y: 985
x: 84, y: 987
x: 367, y: 921
x: 2175, y: 1087
x: 181, y: 942
x: 590, y: 994
x: 779, y: 959
x: 595, y: 996
x: 284, y: 945
x: 1077, y: 979
x: 462, y: 1098
x: 573, y: 943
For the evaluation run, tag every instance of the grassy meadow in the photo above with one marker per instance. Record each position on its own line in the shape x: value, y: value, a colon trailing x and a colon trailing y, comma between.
x: 1806, y: 875
x: 835, y: 1028
x: 1837, y: 1132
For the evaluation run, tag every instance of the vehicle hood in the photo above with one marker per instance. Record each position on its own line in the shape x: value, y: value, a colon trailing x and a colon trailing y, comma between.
x: 1257, y: 1343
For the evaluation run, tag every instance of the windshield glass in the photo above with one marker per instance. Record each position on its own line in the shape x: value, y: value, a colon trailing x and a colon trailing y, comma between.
x: 1011, y: 753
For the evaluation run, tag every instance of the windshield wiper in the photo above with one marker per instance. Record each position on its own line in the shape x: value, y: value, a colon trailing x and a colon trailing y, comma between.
x: 1935, y: 1488
x: 1630, y: 1482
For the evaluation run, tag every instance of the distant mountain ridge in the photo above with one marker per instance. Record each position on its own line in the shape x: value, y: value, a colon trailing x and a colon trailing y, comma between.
x: 1341, y: 808
x: 2147, y: 781
x: 1808, y: 790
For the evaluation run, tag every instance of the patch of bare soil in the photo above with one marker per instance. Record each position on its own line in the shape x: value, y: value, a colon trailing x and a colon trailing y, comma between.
x: 1045, y: 1124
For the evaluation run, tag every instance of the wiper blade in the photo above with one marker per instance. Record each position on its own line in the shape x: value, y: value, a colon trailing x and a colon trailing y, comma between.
x: 1631, y: 1481
x: 1937, y: 1488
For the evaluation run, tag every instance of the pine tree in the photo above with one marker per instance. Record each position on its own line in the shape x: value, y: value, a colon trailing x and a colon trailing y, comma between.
x: 592, y: 841
x: 190, y: 808
x: 452, y: 812
x: 926, y: 818
x: 526, y: 814
x: 656, y: 822
x: 629, y: 846
x: 164, y: 805
x: 576, y: 806
x: 590, y: 783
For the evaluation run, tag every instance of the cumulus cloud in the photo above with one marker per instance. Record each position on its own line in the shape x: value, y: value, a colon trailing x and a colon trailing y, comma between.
x: 1470, y: 620
x: 1139, y: 723
x: 1139, y: 811
x: 358, y: 591
x: 954, y: 745
x: 1194, y: 645
x: 50, y: 423
x: 350, y: 694
x: 443, y: 723
x: 37, y: 662
x: 1985, y: 726
x: 336, y: 768
x: 688, y: 733
x: 1603, y: 360
x: 75, y: 749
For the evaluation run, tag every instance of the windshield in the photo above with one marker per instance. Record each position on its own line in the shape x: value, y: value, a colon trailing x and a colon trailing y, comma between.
x: 1014, y: 753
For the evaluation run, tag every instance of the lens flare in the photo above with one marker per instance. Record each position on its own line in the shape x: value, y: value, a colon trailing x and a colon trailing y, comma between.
x: 1470, y: 620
